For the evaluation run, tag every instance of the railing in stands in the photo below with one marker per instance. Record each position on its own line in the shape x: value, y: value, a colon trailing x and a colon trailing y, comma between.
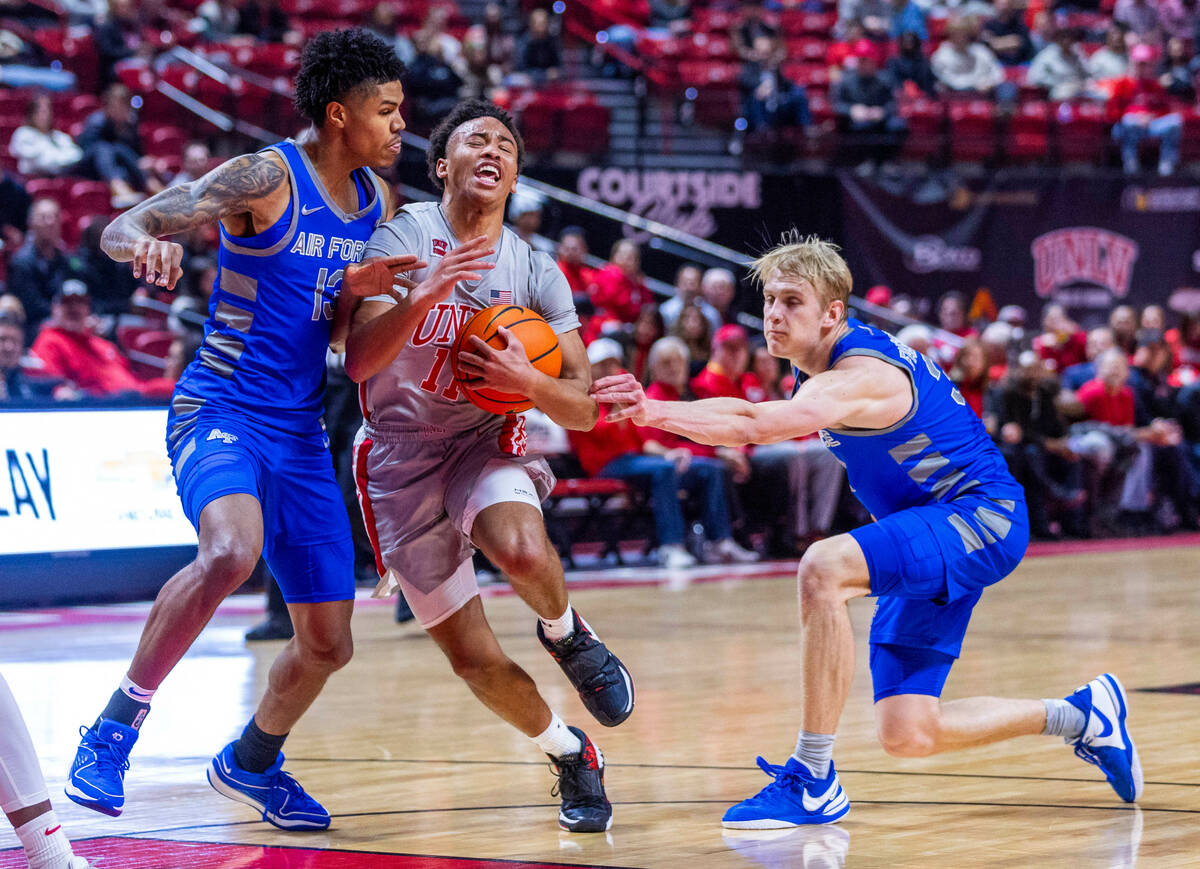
x: 666, y: 238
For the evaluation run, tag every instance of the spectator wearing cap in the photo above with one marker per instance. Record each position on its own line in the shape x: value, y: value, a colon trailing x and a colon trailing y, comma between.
x: 1061, y: 67
x: 687, y: 292
x: 770, y: 100
x: 812, y: 472
x: 15, y: 384
x: 865, y: 106
x: 880, y: 296
x: 1006, y: 35
x: 37, y: 271
x: 618, y: 451
x: 1140, y: 108
x: 965, y: 66
x: 571, y: 252
x: 620, y: 287
x: 70, y: 349
x: 1140, y: 16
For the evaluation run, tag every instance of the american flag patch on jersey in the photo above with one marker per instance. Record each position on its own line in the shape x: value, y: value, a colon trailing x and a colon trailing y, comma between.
x: 501, y: 297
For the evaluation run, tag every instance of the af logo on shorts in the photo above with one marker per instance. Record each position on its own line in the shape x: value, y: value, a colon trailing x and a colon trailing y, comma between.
x: 224, y: 437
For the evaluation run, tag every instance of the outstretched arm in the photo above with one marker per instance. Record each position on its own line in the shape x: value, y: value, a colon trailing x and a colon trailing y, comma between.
x: 237, y: 187
x: 864, y: 394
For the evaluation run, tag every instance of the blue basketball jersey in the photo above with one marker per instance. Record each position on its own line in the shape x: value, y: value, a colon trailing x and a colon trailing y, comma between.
x: 937, y: 452
x: 271, y: 310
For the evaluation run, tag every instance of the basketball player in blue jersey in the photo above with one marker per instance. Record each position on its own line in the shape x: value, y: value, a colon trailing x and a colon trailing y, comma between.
x: 244, y: 432
x: 949, y: 521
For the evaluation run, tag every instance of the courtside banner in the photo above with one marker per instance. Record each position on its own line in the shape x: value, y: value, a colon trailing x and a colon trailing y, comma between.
x: 87, y: 480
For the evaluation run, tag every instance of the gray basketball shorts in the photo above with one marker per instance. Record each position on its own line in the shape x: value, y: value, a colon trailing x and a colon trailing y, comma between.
x: 420, y: 492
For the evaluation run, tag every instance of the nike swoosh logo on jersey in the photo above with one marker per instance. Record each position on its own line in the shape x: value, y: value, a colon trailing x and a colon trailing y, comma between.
x: 306, y: 211
x: 815, y: 804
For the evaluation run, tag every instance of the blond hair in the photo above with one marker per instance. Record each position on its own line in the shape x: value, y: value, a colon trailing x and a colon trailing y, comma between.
x: 807, y: 258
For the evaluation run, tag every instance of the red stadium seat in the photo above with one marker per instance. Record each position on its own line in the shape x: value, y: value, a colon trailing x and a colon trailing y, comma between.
x: 164, y: 141
x: 585, y: 129
x: 58, y: 189
x: 972, y: 130
x: 1028, y: 137
x: 90, y: 197
x: 926, y: 121
x: 1081, y: 132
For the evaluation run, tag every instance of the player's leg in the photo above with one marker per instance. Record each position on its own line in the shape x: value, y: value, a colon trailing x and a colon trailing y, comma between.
x: 918, y: 725
x: 806, y: 790
x: 503, y: 517
x: 311, y: 554
x: 23, y: 795
x: 502, y: 686
x: 230, y: 540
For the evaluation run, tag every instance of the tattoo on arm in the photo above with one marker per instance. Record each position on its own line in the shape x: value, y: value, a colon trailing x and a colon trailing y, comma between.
x: 229, y: 189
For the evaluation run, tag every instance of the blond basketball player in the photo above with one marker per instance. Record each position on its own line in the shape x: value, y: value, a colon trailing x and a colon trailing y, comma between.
x: 438, y: 477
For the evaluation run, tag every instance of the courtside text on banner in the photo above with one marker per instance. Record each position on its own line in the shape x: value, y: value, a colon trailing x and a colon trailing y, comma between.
x: 87, y: 480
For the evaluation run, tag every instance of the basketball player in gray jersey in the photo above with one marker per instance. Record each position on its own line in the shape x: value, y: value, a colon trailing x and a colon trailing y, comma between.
x: 439, y: 477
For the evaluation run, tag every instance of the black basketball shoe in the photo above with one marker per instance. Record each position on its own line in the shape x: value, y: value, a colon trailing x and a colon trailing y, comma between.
x: 585, y: 808
x: 603, y: 683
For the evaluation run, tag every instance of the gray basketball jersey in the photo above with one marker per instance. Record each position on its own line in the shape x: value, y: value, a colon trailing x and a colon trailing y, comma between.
x: 417, y: 389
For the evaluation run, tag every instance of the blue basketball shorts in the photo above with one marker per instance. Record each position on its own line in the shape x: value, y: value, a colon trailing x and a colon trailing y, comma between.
x: 306, y: 532
x: 928, y: 566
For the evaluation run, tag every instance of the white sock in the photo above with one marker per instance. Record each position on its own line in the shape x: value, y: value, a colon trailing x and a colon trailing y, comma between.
x: 815, y: 751
x: 559, y: 628
x: 134, y: 691
x: 46, y: 845
x: 1063, y: 719
x: 557, y: 739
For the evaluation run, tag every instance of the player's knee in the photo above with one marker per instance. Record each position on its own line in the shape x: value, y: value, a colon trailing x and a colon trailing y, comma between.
x: 819, y: 576
x: 328, y: 653
x: 521, y: 553
x: 227, y: 563
x: 908, y: 737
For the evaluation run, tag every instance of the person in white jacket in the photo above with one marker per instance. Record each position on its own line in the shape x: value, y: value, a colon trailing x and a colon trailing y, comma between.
x: 41, y: 150
x: 964, y: 65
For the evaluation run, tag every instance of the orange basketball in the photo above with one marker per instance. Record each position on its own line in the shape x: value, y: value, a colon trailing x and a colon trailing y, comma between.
x: 535, y: 335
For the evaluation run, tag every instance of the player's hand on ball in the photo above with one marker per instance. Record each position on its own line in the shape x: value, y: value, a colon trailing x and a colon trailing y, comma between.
x: 464, y: 263
x: 380, y: 276
x: 506, y: 370
x: 626, y: 396
x: 158, y: 262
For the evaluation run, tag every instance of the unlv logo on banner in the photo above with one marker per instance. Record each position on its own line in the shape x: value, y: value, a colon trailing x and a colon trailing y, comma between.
x: 1083, y: 255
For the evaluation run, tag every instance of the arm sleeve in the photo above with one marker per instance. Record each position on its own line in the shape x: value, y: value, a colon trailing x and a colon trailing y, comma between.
x: 400, y: 235
x: 552, y: 294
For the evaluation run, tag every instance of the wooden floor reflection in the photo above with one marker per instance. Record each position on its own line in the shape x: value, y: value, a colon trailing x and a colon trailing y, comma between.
x: 410, y: 764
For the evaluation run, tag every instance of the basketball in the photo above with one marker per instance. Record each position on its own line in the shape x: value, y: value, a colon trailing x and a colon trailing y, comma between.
x: 535, y: 335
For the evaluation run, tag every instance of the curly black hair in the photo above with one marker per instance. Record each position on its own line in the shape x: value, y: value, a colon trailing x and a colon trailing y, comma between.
x: 468, y: 110
x: 338, y: 62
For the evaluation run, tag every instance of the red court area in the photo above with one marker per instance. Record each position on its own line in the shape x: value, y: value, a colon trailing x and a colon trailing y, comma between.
x: 115, y: 853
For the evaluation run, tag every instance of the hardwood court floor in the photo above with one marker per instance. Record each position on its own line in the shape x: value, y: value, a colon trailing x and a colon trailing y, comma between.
x: 410, y: 764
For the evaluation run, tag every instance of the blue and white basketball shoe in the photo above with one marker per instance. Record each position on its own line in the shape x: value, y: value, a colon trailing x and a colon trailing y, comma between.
x: 795, y: 797
x: 1105, y: 741
x: 97, y: 777
x: 275, y: 793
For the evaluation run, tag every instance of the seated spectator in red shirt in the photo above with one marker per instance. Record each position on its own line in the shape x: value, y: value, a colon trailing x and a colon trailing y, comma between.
x: 621, y: 290
x: 572, y: 255
x: 1062, y: 343
x: 70, y: 350
x: 970, y: 374
x: 952, y: 318
x: 1109, y: 397
x: 1140, y: 109
x: 618, y: 451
